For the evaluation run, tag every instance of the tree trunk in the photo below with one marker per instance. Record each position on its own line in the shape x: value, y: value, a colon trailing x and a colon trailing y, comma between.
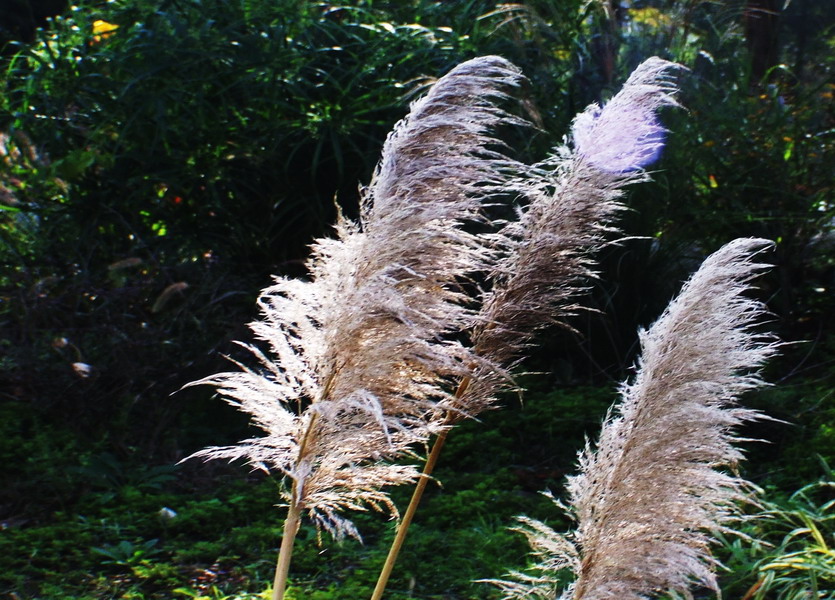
x: 761, y: 20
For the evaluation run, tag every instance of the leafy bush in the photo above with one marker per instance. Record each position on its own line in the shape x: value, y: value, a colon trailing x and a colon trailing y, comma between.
x: 161, y: 159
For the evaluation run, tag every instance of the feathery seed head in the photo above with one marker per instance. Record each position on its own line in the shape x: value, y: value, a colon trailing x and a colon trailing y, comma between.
x: 661, y: 480
x: 625, y: 134
x: 360, y: 361
x: 573, y: 201
x: 649, y: 497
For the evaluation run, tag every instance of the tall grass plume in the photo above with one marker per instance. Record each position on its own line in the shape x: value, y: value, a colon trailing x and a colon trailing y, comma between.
x: 662, y: 477
x: 362, y: 354
x: 573, y: 203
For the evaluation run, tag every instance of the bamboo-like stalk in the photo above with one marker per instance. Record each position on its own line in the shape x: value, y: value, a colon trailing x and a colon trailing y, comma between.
x: 285, y: 553
x: 403, y: 528
x: 417, y: 496
x: 291, y: 523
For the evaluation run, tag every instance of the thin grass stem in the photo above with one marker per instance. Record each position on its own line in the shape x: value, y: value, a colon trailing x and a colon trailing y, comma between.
x: 285, y: 553
x: 400, y: 536
x: 753, y: 589
x: 291, y: 527
x: 417, y: 495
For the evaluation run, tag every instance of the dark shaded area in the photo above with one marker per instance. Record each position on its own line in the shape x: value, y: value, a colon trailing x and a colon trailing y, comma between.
x: 20, y: 19
x: 761, y: 34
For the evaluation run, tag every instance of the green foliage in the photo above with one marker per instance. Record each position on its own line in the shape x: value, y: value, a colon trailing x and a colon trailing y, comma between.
x: 214, y: 593
x: 791, y: 554
x: 127, y: 553
x: 159, y: 161
x: 804, y: 562
x: 211, y: 119
x: 38, y: 460
x: 805, y: 410
x: 134, y: 535
x: 109, y: 472
x: 760, y: 167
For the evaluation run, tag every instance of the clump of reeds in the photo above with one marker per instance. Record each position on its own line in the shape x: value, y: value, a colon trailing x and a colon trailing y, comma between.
x: 662, y: 477
x: 362, y: 354
x: 365, y: 360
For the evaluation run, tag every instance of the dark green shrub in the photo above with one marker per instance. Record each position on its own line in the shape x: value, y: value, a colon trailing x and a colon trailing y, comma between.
x: 161, y: 159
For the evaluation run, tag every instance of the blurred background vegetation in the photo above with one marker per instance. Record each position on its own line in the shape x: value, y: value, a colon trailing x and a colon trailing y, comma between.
x: 161, y: 159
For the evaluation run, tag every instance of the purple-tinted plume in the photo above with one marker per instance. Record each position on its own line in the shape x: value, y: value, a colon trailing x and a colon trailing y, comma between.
x: 625, y: 134
x: 619, y: 143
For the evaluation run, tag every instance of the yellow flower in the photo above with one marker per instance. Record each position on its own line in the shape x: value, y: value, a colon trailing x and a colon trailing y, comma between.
x: 102, y: 30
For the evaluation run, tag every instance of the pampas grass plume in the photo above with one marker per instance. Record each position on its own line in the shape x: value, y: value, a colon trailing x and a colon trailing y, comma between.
x: 573, y: 202
x: 545, y: 258
x: 362, y: 355
x: 661, y: 479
